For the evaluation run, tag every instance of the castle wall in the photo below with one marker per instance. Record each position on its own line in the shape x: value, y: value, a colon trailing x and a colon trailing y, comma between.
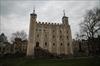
x: 53, y: 37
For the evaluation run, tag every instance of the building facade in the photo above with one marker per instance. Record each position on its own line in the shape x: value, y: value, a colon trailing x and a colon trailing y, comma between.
x: 56, y: 38
x: 5, y: 46
x: 19, y: 46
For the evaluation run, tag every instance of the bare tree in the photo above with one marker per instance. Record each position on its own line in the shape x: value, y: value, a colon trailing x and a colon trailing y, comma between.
x: 19, y: 34
x: 90, y: 27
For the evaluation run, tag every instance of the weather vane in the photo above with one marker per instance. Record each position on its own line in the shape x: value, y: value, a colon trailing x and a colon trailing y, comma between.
x: 34, y: 9
x: 64, y: 12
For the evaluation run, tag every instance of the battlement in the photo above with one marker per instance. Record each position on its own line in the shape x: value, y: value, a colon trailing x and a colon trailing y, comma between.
x: 49, y: 23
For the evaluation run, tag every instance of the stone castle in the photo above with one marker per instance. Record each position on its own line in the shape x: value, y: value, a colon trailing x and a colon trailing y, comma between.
x: 56, y: 38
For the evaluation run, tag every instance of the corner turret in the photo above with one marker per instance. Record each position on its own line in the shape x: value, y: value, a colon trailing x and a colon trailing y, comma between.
x: 64, y: 18
x: 34, y: 15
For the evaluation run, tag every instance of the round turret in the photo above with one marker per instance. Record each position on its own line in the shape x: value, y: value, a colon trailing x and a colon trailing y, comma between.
x: 64, y: 19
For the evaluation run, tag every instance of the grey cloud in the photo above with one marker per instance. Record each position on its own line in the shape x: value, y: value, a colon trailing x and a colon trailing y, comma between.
x: 18, y: 7
x: 15, y: 15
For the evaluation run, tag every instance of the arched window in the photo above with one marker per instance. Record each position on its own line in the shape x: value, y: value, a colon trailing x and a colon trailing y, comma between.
x: 61, y: 44
x: 53, y: 44
x: 68, y: 44
x: 67, y: 37
x: 45, y: 43
x: 53, y: 36
x: 37, y: 44
x: 60, y: 31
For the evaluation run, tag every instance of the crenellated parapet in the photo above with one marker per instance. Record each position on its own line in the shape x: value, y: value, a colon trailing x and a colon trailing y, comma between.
x: 49, y: 23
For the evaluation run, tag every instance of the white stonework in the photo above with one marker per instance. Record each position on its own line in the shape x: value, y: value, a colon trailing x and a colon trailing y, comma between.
x: 56, y: 38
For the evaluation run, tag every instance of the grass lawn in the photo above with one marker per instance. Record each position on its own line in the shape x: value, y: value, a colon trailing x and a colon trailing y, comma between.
x: 50, y: 62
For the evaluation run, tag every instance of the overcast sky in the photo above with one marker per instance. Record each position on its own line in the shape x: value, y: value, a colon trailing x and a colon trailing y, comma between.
x: 15, y: 14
